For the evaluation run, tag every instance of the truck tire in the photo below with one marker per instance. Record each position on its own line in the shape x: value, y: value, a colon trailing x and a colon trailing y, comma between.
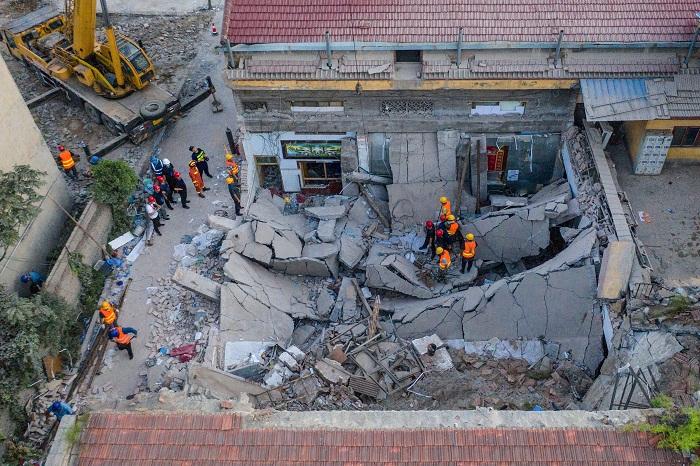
x: 153, y: 109
x: 93, y: 114
x: 111, y: 126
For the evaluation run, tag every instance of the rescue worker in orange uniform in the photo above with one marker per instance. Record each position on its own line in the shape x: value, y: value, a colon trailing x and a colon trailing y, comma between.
x: 108, y: 313
x: 445, y: 207
x: 444, y: 262
x: 231, y: 165
x: 468, y: 252
x: 122, y: 336
x: 65, y: 157
x: 452, y: 231
x: 197, y: 180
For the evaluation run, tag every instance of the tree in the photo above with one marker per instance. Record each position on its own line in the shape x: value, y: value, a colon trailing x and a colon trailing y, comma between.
x: 114, y: 182
x: 18, y: 191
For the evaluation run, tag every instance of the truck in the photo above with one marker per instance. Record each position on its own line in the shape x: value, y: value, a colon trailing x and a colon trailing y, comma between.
x: 111, y: 80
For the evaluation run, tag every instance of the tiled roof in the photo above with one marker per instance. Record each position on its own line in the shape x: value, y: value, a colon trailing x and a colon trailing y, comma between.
x: 179, y: 439
x: 275, y: 21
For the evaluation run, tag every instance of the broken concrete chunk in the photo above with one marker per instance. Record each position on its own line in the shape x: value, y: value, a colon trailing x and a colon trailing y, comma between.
x: 351, y: 251
x: 240, y: 353
x: 320, y: 250
x: 382, y: 277
x: 311, y: 237
x: 277, y: 376
x: 326, y: 230
x: 301, y: 334
x: 199, y: 284
x: 289, y: 361
x: 332, y: 372
x: 498, y: 200
x: 263, y: 233
x: 615, y: 269
x: 302, y: 266
x: 568, y: 234
x: 508, y: 238
x: 296, y: 353
x: 223, y: 223
x: 324, y: 303
x: 286, y: 244
x: 326, y: 212
x: 440, y: 359
x: 653, y: 348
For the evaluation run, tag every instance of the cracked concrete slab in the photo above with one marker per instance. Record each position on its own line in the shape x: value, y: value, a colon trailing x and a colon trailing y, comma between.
x: 223, y: 223
x: 653, y: 348
x: 243, y: 242
x: 392, y: 278
x: 327, y: 212
x: 508, y: 238
x: 320, y: 250
x: 263, y: 232
x: 326, y: 230
x: 411, y: 204
x: 307, y: 266
x: 286, y: 244
x: 447, y: 143
x: 579, y: 249
x: 351, y: 251
x: 199, y: 284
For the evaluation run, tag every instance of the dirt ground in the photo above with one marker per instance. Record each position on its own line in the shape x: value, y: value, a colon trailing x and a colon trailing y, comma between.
x: 672, y: 238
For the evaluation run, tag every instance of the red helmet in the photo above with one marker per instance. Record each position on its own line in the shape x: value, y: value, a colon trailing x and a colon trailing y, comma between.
x: 160, y: 179
x: 442, y: 217
x: 176, y: 174
x: 429, y: 224
x: 156, y: 188
x: 439, y: 233
x: 151, y: 199
x: 60, y: 147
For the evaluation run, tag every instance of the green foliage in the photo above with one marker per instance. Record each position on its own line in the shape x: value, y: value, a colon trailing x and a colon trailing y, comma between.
x: 679, y: 430
x: 92, y: 281
x: 18, y: 452
x: 73, y: 434
x: 18, y: 191
x: 679, y: 304
x: 115, y: 180
x: 662, y: 401
x: 29, y: 329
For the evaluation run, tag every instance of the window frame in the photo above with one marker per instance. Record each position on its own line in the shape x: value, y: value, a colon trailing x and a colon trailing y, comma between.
x: 317, y: 106
x: 312, y: 182
x: 496, y: 107
x: 685, y: 129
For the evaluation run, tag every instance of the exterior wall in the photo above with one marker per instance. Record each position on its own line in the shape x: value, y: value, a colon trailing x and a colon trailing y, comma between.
x: 677, y: 153
x: 24, y: 144
x: 634, y: 135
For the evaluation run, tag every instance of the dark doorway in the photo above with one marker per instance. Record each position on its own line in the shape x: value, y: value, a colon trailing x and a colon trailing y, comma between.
x: 408, y: 56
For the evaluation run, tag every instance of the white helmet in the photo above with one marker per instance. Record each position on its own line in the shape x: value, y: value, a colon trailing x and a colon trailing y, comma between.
x: 166, y: 162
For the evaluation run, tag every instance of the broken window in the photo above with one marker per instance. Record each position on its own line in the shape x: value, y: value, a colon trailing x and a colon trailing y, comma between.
x: 379, y: 154
x: 317, y: 106
x: 685, y: 136
x: 268, y: 171
x: 504, y: 107
x: 254, y: 106
x: 319, y: 173
x: 407, y: 107
x: 408, y: 56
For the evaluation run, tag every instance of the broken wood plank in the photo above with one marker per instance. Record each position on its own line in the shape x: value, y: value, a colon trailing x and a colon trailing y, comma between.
x: 370, y: 200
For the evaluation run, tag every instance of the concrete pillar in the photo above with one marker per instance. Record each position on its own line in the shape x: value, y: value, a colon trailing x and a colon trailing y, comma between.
x: 24, y: 144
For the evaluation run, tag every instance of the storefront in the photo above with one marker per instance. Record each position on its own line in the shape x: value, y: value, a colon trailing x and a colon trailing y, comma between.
x: 303, y: 162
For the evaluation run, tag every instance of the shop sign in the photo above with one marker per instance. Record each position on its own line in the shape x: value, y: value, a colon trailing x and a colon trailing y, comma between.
x: 311, y: 149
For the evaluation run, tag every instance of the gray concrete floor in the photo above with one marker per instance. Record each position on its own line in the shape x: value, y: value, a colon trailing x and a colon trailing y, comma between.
x: 201, y: 128
x: 153, y: 7
x: 671, y: 199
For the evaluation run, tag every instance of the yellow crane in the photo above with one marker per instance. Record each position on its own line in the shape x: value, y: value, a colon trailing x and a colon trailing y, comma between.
x: 64, y: 45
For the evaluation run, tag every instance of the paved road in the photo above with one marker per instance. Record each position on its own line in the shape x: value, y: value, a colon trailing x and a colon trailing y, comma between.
x: 200, y: 128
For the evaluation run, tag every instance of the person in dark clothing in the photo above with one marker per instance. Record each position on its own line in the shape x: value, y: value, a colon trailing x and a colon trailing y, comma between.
x: 235, y: 192
x: 429, y: 238
x: 201, y: 159
x: 169, y: 173
x: 161, y: 199
x: 440, y: 239
x: 165, y: 189
x: 181, y: 188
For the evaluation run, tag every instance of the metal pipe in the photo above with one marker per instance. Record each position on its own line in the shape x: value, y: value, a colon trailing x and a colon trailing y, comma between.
x: 231, y: 141
x: 691, y: 46
x: 390, y: 46
x: 557, y: 55
x: 459, y: 47
x: 329, y: 62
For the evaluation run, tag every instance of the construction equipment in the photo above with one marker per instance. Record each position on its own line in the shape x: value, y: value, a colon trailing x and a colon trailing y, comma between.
x: 111, y: 79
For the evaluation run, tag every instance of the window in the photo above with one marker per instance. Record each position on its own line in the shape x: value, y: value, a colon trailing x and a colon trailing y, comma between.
x: 319, y: 173
x: 317, y: 106
x: 379, y: 154
x: 254, y: 106
x: 504, y: 107
x: 408, y: 56
x: 269, y: 175
x: 685, y: 136
x: 407, y: 107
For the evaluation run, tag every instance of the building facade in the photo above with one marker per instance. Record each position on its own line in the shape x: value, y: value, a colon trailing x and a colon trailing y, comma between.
x: 371, y: 87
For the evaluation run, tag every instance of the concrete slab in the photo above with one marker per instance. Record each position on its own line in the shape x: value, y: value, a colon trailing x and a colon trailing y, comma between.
x: 326, y: 212
x: 222, y: 385
x: 199, y: 284
x: 320, y: 250
x: 286, y: 244
x: 243, y: 242
x: 413, y: 203
x: 306, y: 266
x: 223, y: 223
x: 508, y: 239
x: 615, y: 269
x: 264, y: 234
x: 382, y: 277
x: 326, y: 230
x: 653, y: 348
x: 351, y: 251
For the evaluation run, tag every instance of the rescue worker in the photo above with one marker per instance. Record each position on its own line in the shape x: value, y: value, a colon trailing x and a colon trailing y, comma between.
x: 445, y: 207
x: 452, y: 231
x: 156, y: 166
x: 161, y: 200
x: 169, y: 173
x: 108, y: 313
x: 232, y: 166
x: 122, y: 336
x: 152, y: 211
x: 197, y: 180
x: 429, y: 238
x: 468, y: 252
x: 181, y: 188
x: 201, y: 159
x: 35, y: 280
x: 235, y: 192
x: 59, y: 409
x: 440, y: 239
x: 166, y: 189
x: 441, y: 222
x: 65, y: 157
x: 444, y: 262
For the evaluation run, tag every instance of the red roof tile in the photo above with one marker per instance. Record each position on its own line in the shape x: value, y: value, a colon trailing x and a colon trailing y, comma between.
x: 271, y: 21
x: 151, y: 439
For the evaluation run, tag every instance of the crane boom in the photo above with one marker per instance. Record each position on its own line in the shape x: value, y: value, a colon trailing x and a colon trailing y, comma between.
x: 84, y: 20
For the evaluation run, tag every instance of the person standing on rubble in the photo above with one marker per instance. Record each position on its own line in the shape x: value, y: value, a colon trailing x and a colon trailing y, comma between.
x: 235, y: 192
x: 197, y: 180
x: 445, y: 207
x: 444, y: 262
x: 122, y: 336
x: 440, y: 240
x: 200, y: 158
x: 108, y: 313
x: 67, y: 160
x: 429, y: 238
x: 152, y: 211
x: 468, y: 252
x: 181, y: 188
x: 453, y: 233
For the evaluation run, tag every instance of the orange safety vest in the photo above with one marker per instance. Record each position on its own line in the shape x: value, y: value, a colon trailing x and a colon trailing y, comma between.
x: 122, y: 338
x: 469, y: 249
x: 196, y: 178
x: 108, y: 315
x: 232, y: 166
x: 445, y: 260
x: 66, y: 160
x: 446, y: 209
x: 452, y: 228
